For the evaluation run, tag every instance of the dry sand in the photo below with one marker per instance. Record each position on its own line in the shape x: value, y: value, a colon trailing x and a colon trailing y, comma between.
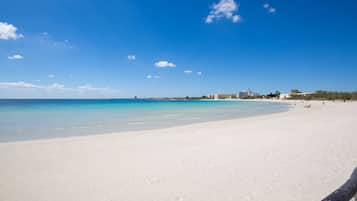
x: 302, y: 154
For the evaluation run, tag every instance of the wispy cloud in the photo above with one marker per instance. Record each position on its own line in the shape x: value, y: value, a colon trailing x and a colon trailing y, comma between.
x: 199, y: 73
x: 164, y: 64
x: 53, y: 87
x: 15, y: 57
x: 187, y: 71
x: 47, y: 39
x: 269, y: 8
x: 17, y: 84
x: 131, y: 57
x: 152, y: 76
x: 22, y: 84
x: 51, y: 76
x: 224, y: 9
x: 89, y: 87
x: 63, y: 44
x: 9, y: 31
x: 28, y: 90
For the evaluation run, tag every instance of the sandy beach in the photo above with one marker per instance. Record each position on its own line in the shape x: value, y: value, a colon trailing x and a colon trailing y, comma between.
x: 302, y: 154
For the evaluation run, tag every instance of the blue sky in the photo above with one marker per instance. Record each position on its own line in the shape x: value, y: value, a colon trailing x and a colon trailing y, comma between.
x: 81, y: 49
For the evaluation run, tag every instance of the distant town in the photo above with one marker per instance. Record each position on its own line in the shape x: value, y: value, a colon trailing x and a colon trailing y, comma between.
x: 249, y: 94
x: 294, y: 94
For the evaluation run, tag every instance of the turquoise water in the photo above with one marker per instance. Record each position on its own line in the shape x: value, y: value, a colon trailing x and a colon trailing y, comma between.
x: 38, y: 119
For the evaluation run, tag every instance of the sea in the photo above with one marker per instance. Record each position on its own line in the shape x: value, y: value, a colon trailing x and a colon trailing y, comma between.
x: 29, y: 119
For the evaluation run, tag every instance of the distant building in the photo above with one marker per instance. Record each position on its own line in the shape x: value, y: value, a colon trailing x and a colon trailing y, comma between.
x: 246, y: 94
x: 284, y: 96
x: 293, y: 93
x: 242, y: 94
x: 224, y: 96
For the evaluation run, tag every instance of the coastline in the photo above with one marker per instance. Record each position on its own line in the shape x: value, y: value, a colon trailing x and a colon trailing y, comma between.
x: 31, y: 120
x: 159, y: 130
x: 300, y: 154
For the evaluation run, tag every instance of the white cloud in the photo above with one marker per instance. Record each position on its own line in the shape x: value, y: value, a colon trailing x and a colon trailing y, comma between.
x: 269, y: 8
x: 52, y: 87
x: 187, y: 71
x: 23, y: 84
x: 164, y: 64
x: 236, y: 18
x: 131, y: 57
x: 152, y: 76
x: 224, y: 9
x: 199, y: 73
x: 209, y: 19
x: 15, y: 57
x: 89, y: 87
x: 20, y: 84
x: 8, y: 31
x: 23, y: 89
x: 51, y: 76
x: 272, y: 10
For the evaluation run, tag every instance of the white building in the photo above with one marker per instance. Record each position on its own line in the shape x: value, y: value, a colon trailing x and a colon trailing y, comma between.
x: 284, y: 96
x: 224, y: 96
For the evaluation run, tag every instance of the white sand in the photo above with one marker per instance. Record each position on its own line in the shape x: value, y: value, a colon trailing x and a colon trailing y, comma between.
x: 303, y: 154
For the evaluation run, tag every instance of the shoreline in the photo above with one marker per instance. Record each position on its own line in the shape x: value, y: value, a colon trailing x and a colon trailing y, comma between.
x: 154, y: 130
x: 300, y: 154
x: 291, y: 104
x: 144, y: 124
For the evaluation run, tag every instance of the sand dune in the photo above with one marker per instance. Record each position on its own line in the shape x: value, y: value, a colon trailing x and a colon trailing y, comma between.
x: 302, y: 154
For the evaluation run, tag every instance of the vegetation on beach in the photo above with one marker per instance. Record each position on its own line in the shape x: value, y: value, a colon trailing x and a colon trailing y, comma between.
x: 325, y: 95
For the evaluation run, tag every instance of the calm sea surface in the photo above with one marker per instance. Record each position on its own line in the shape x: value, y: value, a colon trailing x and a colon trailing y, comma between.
x: 38, y: 119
